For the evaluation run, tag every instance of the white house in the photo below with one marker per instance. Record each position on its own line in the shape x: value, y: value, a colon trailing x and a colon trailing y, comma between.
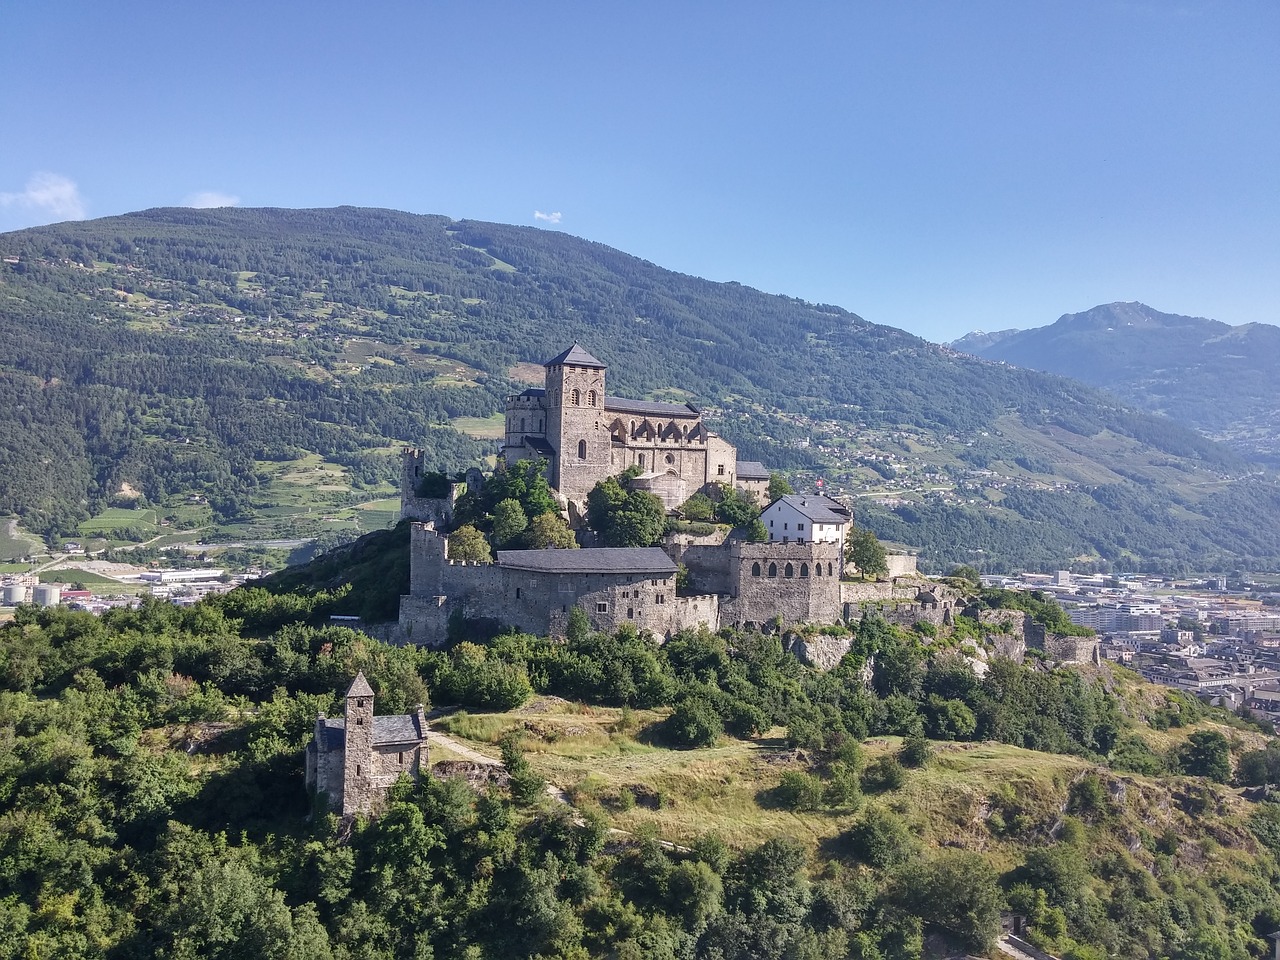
x: 807, y: 518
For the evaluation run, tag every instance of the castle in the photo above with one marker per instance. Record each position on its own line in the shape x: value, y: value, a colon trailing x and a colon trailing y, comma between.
x: 354, y: 761
x: 584, y: 435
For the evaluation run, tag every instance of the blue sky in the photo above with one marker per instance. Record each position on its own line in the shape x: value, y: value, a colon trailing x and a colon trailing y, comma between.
x: 935, y: 166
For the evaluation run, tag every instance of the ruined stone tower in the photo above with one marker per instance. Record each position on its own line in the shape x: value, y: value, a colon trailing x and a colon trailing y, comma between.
x: 576, y: 428
x: 357, y: 761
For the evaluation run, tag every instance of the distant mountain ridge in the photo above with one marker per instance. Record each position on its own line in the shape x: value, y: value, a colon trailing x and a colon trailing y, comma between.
x: 182, y: 353
x: 1223, y: 380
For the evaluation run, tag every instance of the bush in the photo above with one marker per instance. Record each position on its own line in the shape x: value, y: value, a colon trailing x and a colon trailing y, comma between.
x: 799, y: 791
x: 915, y: 751
x: 879, y: 839
x: 693, y: 723
x: 884, y: 773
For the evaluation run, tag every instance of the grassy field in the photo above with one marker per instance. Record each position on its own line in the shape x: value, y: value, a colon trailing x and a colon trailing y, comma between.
x: 482, y: 428
x: 114, y: 518
x: 72, y: 575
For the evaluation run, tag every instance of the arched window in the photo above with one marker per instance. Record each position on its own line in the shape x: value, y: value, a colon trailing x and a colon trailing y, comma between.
x: 789, y: 572
x: 582, y: 449
x: 817, y: 569
x: 755, y: 569
x: 591, y: 398
x: 804, y: 570
x: 773, y: 569
x: 633, y: 428
x: 575, y: 397
x: 828, y: 569
x: 641, y: 461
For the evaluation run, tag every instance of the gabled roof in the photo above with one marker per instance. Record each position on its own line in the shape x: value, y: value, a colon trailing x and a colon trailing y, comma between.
x: 360, y: 687
x: 814, y: 507
x: 649, y: 408
x: 642, y: 561
x: 575, y: 356
x: 400, y: 728
x: 752, y: 470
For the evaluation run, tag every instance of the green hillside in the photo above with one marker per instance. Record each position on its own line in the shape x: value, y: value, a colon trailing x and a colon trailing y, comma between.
x: 712, y: 799
x: 177, y: 354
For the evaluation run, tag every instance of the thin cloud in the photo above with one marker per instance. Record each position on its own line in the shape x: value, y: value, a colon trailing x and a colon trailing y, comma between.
x: 548, y: 217
x: 50, y: 196
x: 207, y: 199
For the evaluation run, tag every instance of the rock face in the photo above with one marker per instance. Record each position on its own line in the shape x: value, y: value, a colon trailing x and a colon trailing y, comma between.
x: 821, y: 652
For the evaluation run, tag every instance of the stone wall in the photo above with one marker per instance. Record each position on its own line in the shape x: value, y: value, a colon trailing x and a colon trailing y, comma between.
x: 901, y: 564
x: 1066, y: 649
x: 768, y: 580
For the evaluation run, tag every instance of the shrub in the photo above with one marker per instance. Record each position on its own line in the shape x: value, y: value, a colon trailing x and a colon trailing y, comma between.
x: 879, y: 838
x: 799, y: 791
x: 915, y: 751
x: 884, y: 773
x: 693, y: 723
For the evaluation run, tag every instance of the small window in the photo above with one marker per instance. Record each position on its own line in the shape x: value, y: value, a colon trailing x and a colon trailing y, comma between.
x: 720, y: 470
x: 522, y: 424
x: 575, y: 397
x: 359, y: 721
x: 660, y: 598
x: 817, y: 569
x: 786, y: 526
x: 631, y: 612
x: 771, y: 524
x: 755, y: 569
x: 582, y: 449
x: 517, y: 593
x: 357, y: 769
x: 773, y: 569
x: 641, y: 461
x: 402, y: 758
x: 602, y: 608
x: 671, y: 458
x: 591, y: 398
x: 804, y: 570
x: 828, y: 569
x: 799, y: 526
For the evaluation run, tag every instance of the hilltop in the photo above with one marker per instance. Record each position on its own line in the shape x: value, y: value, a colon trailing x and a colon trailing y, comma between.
x: 711, y: 798
x: 238, y: 374
x: 1218, y: 378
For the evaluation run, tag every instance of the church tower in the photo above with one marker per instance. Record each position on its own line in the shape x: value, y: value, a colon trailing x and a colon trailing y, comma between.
x: 357, y: 766
x: 576, y: 428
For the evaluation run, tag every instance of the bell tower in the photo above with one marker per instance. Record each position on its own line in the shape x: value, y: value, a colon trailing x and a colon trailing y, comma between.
x: 576, y: 428
x: 357, y: 760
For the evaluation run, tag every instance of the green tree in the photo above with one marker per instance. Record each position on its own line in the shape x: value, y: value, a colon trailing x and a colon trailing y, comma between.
x: 866, y: 553
x: 957, y: 891
x: 548, y: 530
x: 698, y: 507
x: 1206, y: 754
x: 509, y: 522
x: 778, y: 486
x: 468, y: 543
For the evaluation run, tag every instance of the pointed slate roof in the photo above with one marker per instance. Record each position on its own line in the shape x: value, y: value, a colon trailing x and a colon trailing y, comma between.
x: 360, y: 687
x: 575, y: 356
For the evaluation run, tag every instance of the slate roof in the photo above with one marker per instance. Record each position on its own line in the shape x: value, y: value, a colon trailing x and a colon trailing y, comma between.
x: 575, y: 356
x: 360, y: 687
x: 402, y: 728
x: 534, y: 392
x: 642, y: 561
x: 815, y: 507
x: 650, y: 408
x: 752, y: 470
x: 399, y: 728
x: 539, y: 445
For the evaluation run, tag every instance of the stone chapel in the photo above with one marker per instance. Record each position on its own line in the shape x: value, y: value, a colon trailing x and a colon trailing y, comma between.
x: 355, y: 760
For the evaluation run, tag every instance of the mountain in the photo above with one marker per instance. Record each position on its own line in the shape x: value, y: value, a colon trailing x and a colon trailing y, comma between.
x: 243, y: 373
x: 1220, y: 379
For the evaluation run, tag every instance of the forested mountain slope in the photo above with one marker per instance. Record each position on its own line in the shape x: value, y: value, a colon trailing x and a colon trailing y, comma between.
x: 1220, y: 379
x: 179, y: 351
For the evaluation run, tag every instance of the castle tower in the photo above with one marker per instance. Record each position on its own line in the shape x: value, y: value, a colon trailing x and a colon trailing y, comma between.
x: 576, y: 427
x: 357, y: 765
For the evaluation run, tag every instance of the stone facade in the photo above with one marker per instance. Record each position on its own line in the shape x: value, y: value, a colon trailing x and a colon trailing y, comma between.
x: 734, y: 584
x: 355, y: 760
x: 585, y: 436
